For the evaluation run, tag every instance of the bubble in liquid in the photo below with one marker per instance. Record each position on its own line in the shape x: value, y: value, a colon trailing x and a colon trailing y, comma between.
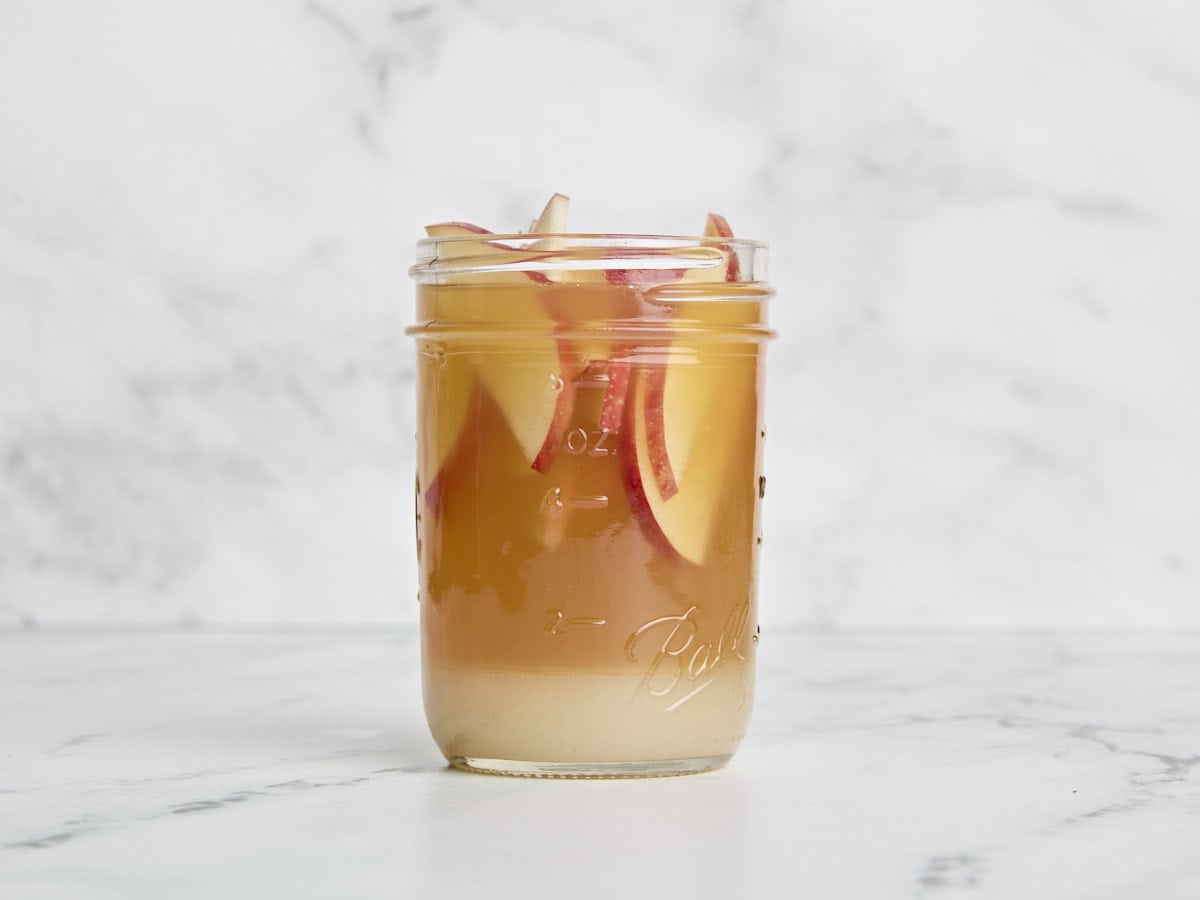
x: 556, y: 380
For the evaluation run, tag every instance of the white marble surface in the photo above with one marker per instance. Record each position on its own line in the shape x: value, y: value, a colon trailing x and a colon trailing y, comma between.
x: 985, y: 219
x: 878, y: 765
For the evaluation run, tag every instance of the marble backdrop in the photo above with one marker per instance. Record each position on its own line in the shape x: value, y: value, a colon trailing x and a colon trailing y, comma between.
x: 985, y: 221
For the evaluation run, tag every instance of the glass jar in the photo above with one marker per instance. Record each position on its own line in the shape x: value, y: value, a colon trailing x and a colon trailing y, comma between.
x: 589, y: 483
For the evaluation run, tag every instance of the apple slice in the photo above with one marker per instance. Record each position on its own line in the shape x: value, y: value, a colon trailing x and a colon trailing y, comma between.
x: 485, y: 251
x: 643, y: 277
x: 532, y: 381
x: 536, y: 387
x: 449, y: 388
x: 612, y: 409
x: 681, y: 428
x: 553, y: 220
x: 707, y: 264
x: 652, y: 420
x: 459, y: 249
x: 718, y: 226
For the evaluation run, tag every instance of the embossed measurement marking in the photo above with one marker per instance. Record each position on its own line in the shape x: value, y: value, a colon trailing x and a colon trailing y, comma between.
x: 597, y: 502
x: 559, y: 622
x: 593, y: 443
x: 554, y: 502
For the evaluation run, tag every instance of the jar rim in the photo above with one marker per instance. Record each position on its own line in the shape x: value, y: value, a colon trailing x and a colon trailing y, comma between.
x: 450, y: 255
x: 592, y: 238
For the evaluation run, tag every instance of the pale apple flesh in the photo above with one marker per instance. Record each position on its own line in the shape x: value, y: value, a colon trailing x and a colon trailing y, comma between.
x: 485, y: 250
x: 718, y: 226
x: 660, y: 412
x: 672, y: 481
x: 452, y: 388
x: 531, y: 381
x: 553, y: 219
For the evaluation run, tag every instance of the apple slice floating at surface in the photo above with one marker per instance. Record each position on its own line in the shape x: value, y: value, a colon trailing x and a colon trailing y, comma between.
x: 531, y: 379
x: 718, y: 226
x: 536, y: 390
x: 553, y: 220
x: 454, y: 250
x: 704, y: 265
x: 487, y: 251
x: 682, y: 420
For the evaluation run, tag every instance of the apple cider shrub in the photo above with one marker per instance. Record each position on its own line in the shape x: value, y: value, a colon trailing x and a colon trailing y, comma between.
x: 590, y: 433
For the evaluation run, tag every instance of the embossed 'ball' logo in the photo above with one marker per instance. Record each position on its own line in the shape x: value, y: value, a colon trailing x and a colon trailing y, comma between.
x: 680, y: 665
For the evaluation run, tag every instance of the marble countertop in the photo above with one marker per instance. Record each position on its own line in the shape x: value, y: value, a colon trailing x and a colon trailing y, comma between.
x: 207, y: 764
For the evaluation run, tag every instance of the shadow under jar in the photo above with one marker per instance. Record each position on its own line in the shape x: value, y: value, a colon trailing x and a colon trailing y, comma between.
x: 590, y: 435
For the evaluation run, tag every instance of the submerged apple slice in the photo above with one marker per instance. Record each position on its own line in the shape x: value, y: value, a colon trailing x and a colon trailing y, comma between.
x: 449, y: 387
x: 616, y: 392
x: 682, y: 425
x: 652, y: 417
x: 532, y: 381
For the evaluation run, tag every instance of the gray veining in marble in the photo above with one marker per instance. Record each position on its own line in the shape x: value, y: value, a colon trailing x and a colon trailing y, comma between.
x: 984, y: 218
x: 886, y: 765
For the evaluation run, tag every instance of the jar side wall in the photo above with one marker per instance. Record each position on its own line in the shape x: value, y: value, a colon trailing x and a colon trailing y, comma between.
x: 588, y: 509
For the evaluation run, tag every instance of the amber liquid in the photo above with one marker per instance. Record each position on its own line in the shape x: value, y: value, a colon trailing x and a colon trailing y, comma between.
x: 560, y: 619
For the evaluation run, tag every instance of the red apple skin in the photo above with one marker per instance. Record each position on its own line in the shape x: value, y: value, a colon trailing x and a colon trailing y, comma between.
x: 552, y: 220
x: 718, y: 226
x: 612, y: 410
x: 635, y: 486
x: 655, y: 379
x: 465, y: 226
x: 643, y: 277
x: 564, y: 406
x: 433, y: 494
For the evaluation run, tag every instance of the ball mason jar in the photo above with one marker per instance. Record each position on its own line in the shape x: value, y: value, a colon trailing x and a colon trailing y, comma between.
x: 589, y: 483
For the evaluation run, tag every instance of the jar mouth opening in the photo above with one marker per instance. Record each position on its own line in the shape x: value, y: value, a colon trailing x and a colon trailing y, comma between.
x: 480, y: 253
x: 593, y: 239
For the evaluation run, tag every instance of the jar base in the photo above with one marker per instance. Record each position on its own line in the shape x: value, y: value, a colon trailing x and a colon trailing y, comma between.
x: 654, y: 768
